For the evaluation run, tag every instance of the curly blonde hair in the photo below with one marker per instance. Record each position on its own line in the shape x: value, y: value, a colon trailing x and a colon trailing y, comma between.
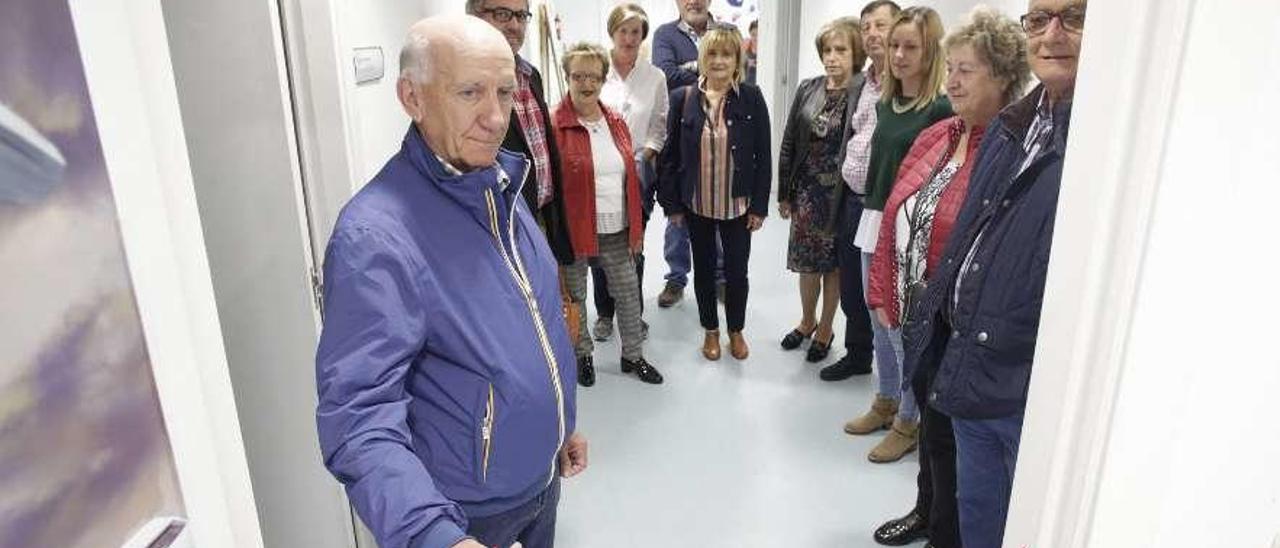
x: 1000, y: 42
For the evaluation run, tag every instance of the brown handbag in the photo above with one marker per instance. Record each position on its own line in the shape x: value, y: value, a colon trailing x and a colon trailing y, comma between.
x: 572, y: 314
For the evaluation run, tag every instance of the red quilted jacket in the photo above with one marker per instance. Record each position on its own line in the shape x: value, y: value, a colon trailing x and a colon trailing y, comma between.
x: 579, y: 177
x: 926, y: 152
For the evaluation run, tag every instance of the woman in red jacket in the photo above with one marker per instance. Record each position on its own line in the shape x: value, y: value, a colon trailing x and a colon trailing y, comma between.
x: 986, y: 70
x: 602, y: 205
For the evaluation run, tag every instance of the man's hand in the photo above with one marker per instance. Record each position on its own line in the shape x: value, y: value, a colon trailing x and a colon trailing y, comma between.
x: 573, y: 457
x: 469, y: 543
x: 784, y: 210
x: 883, y: 318
x: 648, y: 154
x: 676, y: 219
x: 754, y: 222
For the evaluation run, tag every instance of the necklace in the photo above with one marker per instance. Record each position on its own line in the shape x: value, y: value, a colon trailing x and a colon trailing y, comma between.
x: 899, y: 108
x: 593, y: 126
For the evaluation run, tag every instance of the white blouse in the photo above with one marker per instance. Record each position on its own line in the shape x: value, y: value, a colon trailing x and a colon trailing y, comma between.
x: 611, y: 176
x: 642, y: 100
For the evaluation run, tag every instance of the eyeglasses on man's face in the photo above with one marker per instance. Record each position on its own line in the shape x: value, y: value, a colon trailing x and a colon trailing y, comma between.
x: 504, y: 15
x: 1071, y: 19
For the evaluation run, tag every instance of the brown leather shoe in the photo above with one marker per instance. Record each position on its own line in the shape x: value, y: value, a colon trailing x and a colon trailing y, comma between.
x: 671, y: 294
x: 738, y: 346
x: 711, y: 345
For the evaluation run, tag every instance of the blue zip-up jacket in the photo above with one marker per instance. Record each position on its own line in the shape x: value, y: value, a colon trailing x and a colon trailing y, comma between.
x: 445, y: 372
x: 980, y: 349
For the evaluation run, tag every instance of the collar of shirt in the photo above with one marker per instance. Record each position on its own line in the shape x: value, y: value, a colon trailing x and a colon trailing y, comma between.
x: 448, y: 167
x: 504, y: 180
x: 689, y: 30
x: 524, y: 67
x: 702, y: 85
x: 1041, y: 124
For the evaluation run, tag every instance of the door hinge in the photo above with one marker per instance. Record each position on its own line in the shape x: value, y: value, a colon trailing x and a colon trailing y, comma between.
x: 317, y: 291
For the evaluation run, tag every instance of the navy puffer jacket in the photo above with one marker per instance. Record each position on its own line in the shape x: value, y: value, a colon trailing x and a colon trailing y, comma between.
x: 980, y: 341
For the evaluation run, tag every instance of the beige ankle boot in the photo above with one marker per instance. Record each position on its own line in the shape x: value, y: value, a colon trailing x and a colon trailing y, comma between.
x: 880, y: 416
x: 900, y: 440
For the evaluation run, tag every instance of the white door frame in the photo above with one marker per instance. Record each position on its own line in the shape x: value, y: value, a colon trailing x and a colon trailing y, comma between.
x: 1133, y: 49
x: 131, y: 83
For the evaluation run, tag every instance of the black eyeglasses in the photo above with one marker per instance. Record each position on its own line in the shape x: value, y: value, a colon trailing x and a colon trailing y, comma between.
x: 504, y: 15
x: 1071, y: 19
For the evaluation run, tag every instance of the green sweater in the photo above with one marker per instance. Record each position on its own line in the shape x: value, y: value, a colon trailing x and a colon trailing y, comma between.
x: 891, y: 142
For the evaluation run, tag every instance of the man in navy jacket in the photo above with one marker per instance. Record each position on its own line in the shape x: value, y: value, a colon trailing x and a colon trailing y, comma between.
x: 444, y: 370
x: 675, y: 51
x: 975, y: 329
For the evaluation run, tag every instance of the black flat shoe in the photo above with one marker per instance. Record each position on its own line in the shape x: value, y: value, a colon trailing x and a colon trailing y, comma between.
x: 794, y: 339
x: 643, y: 370
x: 586, y: 371
x: 846, y: 367
x: 818, y: 350
x: 903, y: 531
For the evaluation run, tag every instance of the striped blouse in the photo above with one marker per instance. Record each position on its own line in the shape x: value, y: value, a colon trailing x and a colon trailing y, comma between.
x: 714, y: 198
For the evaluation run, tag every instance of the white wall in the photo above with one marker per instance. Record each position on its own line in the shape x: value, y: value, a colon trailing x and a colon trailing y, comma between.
x: 1150, y: 414
x: 1191, y: 457
x: 816, y: 13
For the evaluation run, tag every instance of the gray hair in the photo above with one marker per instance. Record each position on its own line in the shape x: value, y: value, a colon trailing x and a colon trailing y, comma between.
x: 413, y: 57
x: 473, y: 7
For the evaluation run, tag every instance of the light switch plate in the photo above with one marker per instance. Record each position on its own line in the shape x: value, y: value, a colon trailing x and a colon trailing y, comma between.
x: 369, y: 64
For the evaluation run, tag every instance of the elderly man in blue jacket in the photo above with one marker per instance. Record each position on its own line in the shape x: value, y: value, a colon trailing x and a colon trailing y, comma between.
x: 445, y: 371
x: 974, y: 330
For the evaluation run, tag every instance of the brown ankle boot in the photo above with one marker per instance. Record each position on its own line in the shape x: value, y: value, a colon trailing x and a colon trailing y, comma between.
x: 738, y: 346
x: 880, y: 416
x: 900, y: 440
x: 711, y: 345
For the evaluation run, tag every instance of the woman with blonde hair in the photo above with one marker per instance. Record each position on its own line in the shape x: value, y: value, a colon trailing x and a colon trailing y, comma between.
x: 714, y: 176
x: 912, y: 100
x: 810, y: 190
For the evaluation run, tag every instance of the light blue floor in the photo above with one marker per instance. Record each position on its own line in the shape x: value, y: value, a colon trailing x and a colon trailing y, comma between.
x: 728, y: 453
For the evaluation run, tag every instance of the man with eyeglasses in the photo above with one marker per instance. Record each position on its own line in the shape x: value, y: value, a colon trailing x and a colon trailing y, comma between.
x: 977, y: 323
x: 530, y: 131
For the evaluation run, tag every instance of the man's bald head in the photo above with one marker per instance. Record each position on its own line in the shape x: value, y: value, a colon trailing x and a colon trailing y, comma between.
x: 443, y: 35
x: 457, y: 82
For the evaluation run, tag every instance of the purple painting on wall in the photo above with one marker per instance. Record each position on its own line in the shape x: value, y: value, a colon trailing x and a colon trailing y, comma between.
x: 84, y: 457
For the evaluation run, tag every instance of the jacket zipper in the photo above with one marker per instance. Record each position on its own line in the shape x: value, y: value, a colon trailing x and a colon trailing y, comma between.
x: 486, y: 432
x: 522, y: 281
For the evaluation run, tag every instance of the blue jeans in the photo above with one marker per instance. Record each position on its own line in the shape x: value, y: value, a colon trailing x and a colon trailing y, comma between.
x: 533, y: 523
x: 986, y: 454
x: 888, y: 345
x: 677, y: 251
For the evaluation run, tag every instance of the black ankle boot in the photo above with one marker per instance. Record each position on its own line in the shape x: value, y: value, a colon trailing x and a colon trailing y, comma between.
x: 643, y: 370
x: 586, y: 371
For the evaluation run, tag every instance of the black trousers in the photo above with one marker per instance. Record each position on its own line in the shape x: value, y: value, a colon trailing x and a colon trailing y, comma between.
x: 936, y: 482
x: 736, y: 245
x: 857, y: 325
